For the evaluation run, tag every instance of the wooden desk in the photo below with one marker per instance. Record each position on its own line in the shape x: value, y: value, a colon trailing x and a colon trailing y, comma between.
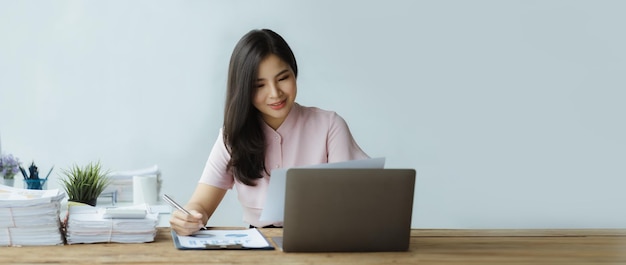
x: 427, y: 247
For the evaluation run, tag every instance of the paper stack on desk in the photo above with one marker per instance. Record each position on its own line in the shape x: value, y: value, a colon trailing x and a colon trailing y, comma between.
x: 30, y: 217
x: 87, y: 224
x: 122, y: 182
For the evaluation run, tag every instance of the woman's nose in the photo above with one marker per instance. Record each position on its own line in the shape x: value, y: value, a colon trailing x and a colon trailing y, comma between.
x: 275, y: 91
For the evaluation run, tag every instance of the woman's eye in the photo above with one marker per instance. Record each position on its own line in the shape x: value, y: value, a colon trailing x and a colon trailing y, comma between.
x: 283, y: 78
x: 259, y: 85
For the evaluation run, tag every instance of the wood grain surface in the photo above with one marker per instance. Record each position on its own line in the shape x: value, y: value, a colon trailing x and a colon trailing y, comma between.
x: 603, y: 246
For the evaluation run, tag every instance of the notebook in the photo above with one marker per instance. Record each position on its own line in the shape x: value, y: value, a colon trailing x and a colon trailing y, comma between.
x: 347, y: 210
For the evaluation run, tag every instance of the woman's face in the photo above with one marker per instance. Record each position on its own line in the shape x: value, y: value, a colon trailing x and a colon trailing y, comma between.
x: 275, y: 90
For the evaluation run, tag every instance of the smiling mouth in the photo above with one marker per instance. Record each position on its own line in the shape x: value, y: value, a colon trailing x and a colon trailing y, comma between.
x: 278, y: 105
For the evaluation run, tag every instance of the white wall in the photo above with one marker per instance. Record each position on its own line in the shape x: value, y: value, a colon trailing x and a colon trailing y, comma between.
x: 511, y: 111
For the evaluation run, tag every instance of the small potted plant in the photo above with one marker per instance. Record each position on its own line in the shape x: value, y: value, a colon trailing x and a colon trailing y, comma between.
x: 85, y: 184
x: 9, y: 167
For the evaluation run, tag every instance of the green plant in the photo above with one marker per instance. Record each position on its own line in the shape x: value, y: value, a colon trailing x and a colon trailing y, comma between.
x: 85, y: 184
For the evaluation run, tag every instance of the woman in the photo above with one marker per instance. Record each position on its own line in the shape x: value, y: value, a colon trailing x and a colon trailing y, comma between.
x: 264, y: 128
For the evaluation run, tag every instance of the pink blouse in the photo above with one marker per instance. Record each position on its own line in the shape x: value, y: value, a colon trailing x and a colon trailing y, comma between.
x: 308, y: 136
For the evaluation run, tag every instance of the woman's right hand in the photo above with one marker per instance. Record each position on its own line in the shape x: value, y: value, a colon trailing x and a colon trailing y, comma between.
x: 185, y: 224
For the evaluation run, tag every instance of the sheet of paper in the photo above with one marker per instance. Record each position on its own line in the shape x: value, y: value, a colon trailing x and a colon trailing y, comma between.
x: 16, y: 197
x: 249, y: 238
x: 273, y: 209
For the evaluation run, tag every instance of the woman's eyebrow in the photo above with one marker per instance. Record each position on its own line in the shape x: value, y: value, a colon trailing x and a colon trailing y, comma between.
x: 280, y: 73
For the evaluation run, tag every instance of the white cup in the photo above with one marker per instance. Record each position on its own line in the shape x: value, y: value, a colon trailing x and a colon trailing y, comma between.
x: 145, y: 189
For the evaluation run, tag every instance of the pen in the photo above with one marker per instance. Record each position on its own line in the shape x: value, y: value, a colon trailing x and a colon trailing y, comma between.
x: 177, y: 206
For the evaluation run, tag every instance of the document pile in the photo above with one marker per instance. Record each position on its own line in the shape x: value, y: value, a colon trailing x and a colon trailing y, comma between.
x: 87, y: 224
x: 30, y: 217
x: 122, y: 182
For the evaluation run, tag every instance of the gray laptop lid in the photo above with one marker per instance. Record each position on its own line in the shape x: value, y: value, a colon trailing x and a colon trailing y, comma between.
x: 348, y: 210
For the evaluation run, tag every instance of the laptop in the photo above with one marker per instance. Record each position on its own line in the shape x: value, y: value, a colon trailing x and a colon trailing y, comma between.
x: 348, y: 210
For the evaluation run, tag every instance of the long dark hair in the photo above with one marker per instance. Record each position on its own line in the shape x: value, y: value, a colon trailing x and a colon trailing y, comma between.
x: 243, y: 134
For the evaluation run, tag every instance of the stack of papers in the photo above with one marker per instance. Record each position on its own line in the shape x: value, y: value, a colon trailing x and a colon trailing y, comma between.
x: 30, y: 217
x: 122, y: 182
x: 88, y: 224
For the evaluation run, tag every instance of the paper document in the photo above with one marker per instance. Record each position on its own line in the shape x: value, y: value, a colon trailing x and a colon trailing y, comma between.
x: 30, y: 217
x: 222, y: 239
x: 16, y: 197
x: 273, y: 210
x: 88, y: 224
x: 122, y: 182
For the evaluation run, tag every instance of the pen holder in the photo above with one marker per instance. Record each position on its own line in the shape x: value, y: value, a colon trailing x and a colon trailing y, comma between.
x: 35, y: 184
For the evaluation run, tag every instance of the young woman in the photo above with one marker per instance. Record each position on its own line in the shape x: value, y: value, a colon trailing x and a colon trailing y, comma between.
x: 264, y: 128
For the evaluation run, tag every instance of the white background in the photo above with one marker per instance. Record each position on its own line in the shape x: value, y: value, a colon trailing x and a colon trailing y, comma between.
x: 512, y: 112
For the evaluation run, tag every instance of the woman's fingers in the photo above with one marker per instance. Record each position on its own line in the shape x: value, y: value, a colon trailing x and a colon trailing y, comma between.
x: 185, y: 224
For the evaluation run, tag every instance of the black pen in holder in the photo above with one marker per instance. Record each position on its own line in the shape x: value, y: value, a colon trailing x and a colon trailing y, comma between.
x: 32, y: 180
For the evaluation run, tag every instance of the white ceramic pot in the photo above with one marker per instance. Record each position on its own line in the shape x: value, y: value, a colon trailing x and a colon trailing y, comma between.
x: 9, y: 182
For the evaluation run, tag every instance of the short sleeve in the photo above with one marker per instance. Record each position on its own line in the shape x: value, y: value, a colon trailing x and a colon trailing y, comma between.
x: 341, y: 144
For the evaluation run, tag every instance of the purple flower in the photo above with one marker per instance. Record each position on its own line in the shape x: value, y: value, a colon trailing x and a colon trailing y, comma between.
x: 9, y: 166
